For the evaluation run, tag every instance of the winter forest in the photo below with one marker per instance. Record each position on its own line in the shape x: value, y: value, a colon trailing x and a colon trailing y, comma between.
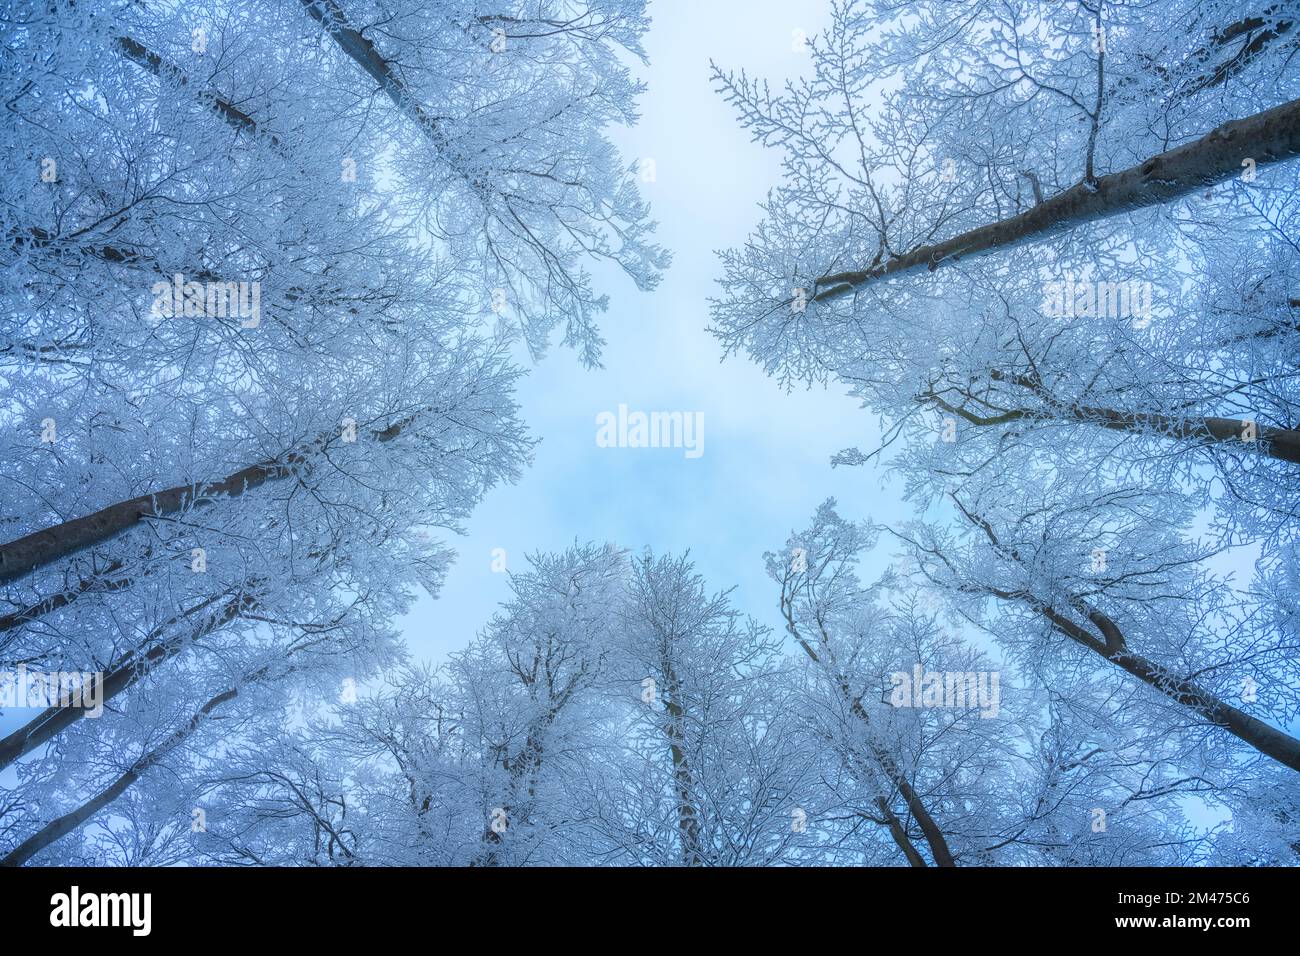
x: 276, y: 276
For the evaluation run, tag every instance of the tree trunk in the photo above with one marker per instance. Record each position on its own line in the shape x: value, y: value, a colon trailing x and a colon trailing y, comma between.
x: 1280, y: 443
x: 1269, y: 137
x: 688, y: 822
x: 70, y: 821
x: 155, y: 64
x: 54, y: 720
x: 1250, y: 730
x: 934, y: 837
x: 44, y: 547
x: 1113, y: 647
x: 364, y: 53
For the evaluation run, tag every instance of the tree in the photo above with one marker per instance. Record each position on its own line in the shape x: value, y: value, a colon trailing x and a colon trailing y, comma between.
x: 1136, y: 599
x: 244, y: 346
x: 712, y: 771
x: 1063, y: 100
x: 1051, y: 247
x: 961, y: 757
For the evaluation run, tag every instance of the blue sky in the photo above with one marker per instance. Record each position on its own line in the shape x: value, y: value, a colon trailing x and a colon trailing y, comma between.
x: 766, y: 461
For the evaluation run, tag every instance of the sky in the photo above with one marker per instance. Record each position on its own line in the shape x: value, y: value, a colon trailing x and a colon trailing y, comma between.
x: 766, y: 454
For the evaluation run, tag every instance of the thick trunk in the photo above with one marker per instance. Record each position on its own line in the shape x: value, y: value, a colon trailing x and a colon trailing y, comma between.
x: 155, y: 64
x: 688, y: 822
x: 364, y: 53
x: 54, y: 720
x: 70, y: 821
x: 1264, y: 738
x: 42, y: 548
x: 934, y: 837
x: 1280, y: 443
x: 524, y: 770
x: 1114, y: 648
x: 899, y: 833
x: 1269, y: 137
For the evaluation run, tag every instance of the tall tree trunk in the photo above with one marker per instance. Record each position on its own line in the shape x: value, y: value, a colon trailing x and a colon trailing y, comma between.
x: 524, y: 769
x: 688, y: 821
x: 129, y: 669
x: 155, y: 64
x: 934, y: 837
x: 1113, y: 647
x: 899, y: 833
x: 367, y: 56
x: 1269, y: 137
x: 62, y: 826
x: 1280, y: 443
x: 42, y: 548
x: 1262, y: 737
x: 70, y: 821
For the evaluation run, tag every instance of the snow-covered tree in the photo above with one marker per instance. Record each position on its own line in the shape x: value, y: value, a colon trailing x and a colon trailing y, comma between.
x: 1052, y: 247
x: 713, y: 770
x: 977, y: 762
x: 252, y: 253
x: 1061, y: 223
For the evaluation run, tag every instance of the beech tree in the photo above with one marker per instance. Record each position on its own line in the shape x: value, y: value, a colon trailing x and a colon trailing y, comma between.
x: 712, y: 770
x: 542, y: 744
x: 267, y: 273
x: 1052, y: 247
x: 1000, y: 775
x: 248, y: 345
x: 930, y: 133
